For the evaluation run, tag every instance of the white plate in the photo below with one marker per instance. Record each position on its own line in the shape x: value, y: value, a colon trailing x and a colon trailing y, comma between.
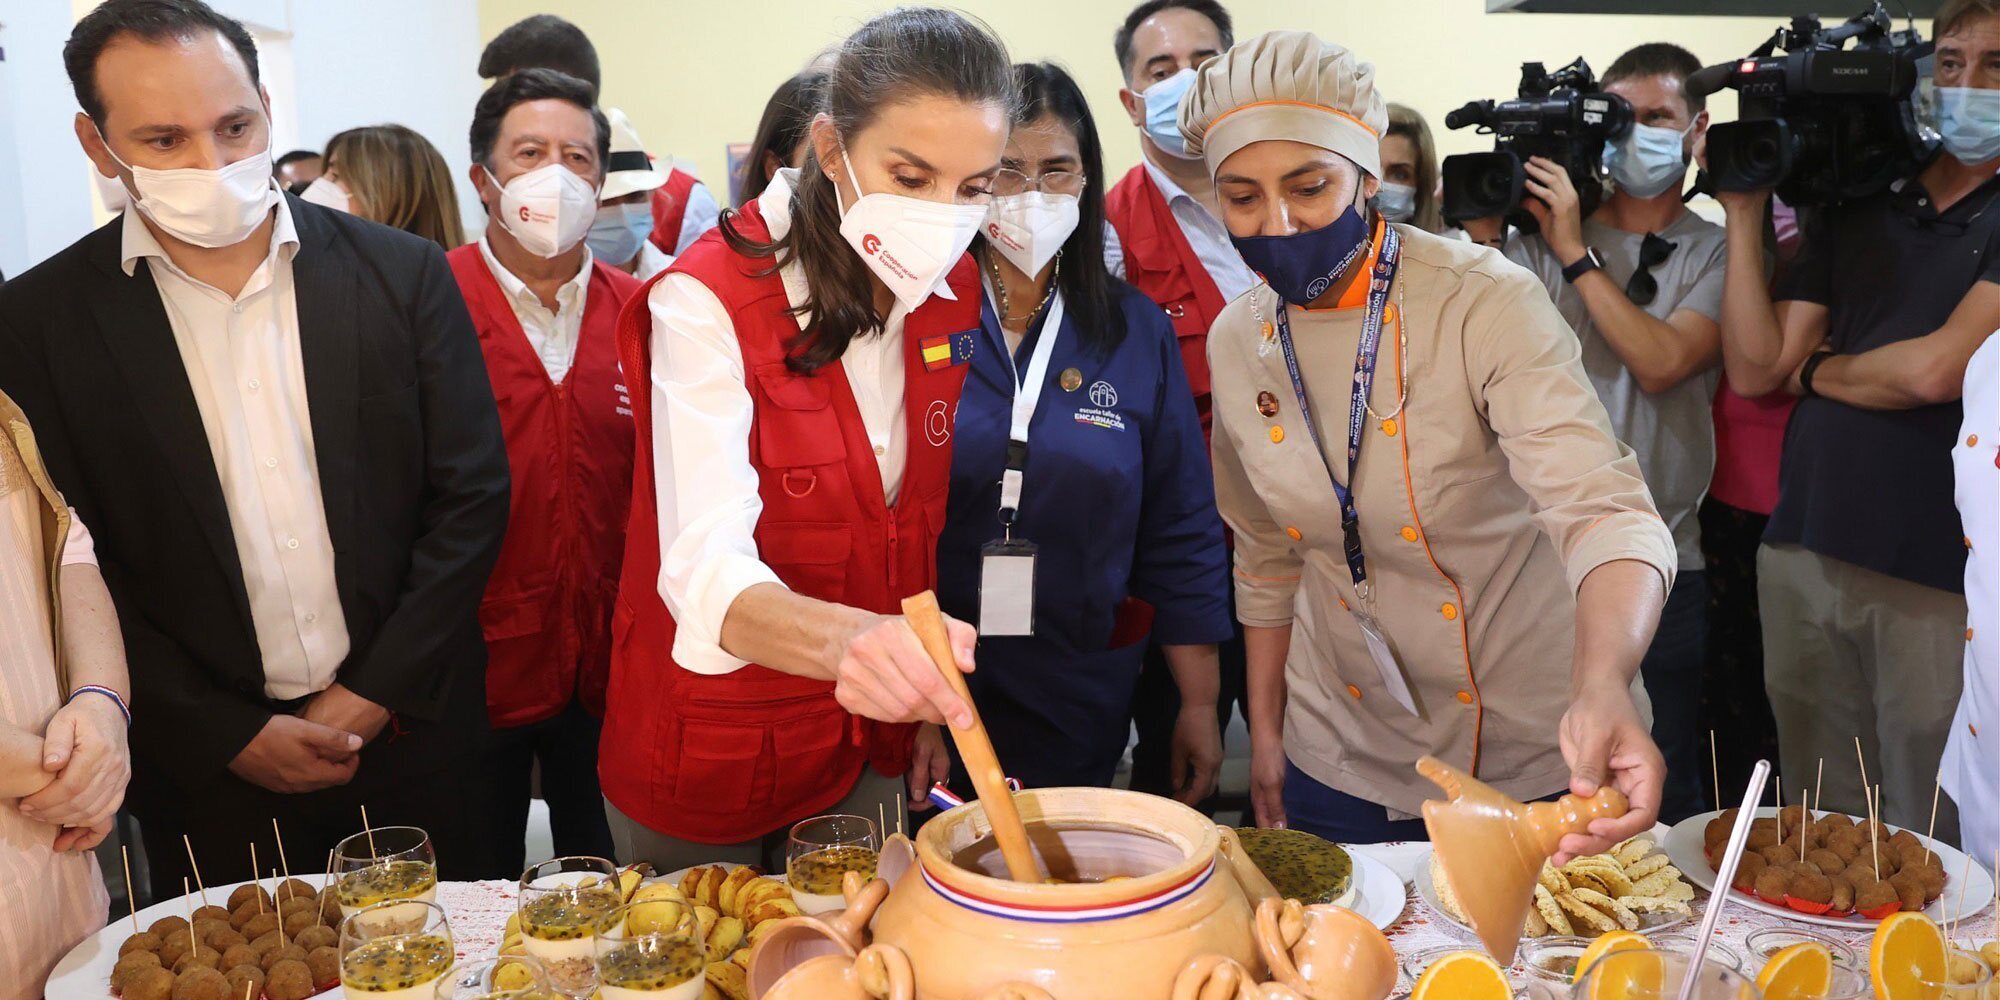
x: 1427, y: 891
x: 1968, y: 888
x: 85, y: 973
x: 1379, y: 893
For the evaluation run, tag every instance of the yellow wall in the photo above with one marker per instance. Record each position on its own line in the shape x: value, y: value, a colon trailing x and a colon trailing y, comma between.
x: 694, y: 74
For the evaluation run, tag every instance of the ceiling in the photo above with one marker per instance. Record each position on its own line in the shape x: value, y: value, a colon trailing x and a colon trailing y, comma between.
x: 1830, y: 10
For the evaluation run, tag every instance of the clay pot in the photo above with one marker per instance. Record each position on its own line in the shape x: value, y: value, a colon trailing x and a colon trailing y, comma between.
x: 1178, y: 893
x: 1213, y: 977
x: 879, y: 972
x: 795, y: 941
x: 1325, y: 952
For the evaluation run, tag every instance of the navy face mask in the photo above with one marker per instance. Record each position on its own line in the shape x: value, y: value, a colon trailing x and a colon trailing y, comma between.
x: 1302, y: 266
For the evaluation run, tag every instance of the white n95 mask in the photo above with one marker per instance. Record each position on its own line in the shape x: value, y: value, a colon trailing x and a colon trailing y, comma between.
x: 207, y: 208
x: 910, y: 243
x: 1030, y: 228
x: 327, y: 194
x: 549, y: 209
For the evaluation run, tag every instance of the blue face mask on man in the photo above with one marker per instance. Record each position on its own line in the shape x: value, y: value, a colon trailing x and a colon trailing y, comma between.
x: 619, y: 231
x: 1647, y: 161
x: 1163, y: 113
x: 1969, y: 121
x: 1302, y: 266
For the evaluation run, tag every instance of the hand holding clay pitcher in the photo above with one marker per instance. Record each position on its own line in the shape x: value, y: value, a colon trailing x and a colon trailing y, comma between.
x: 1325, y: 952
x: 1492, y: 847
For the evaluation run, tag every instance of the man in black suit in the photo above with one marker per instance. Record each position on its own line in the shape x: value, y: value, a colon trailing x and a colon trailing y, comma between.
x: 277, y: 422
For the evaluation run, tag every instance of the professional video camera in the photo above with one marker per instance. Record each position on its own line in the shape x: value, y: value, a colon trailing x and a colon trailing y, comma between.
x: 1821, y: 123
x: 1561, y: 116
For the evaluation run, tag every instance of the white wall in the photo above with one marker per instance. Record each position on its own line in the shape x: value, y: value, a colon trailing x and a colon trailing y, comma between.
x: 333, y: 66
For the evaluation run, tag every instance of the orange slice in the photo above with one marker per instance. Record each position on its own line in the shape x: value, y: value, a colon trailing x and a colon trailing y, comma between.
x: 1630, y: 976
x: 1803, y: 971
x: 1606, y: 944
x: 1463, y: 975
x: 1908, y: 949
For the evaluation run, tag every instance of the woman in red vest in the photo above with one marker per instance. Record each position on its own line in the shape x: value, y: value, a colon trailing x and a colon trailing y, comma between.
x: 805, y: 360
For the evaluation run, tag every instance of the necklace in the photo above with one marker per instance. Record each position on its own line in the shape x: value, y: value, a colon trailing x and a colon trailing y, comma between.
x: 1007, y: 317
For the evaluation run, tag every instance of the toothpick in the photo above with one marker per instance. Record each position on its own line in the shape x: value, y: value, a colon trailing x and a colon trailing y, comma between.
x: 282, y: 938
x: 131, y: 894
x: 196, y: 865
x: 1819, y: 781
x: 1958, y: 912
x: 256, y: 878
x: 282, y: 863
x: 881, y: 819
x: 187, y: 902
x: 1805, y: 812
x: 1715, y: 770
x: 1874, y: 852
x: 326, y: 879
x: 370, y: 831
x: 1863, y: 761
x: 899, y: 812
x: 1936, y: 786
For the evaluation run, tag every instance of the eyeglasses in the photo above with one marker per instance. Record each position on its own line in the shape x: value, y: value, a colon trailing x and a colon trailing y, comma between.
x: 1012, y: 182
x: 1642, y: 288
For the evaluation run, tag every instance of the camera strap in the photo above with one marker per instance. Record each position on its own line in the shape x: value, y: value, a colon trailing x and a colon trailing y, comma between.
x: 1365, y: 355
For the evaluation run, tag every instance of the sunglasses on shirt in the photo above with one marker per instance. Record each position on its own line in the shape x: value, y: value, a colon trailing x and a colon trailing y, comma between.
x: 1642, y: 288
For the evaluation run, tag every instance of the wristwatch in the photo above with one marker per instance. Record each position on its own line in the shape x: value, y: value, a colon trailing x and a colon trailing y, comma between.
x: 1806, y: 371
x: 1590, y: 261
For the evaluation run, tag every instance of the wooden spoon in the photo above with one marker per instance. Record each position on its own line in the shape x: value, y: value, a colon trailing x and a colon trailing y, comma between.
x: 974, y: 746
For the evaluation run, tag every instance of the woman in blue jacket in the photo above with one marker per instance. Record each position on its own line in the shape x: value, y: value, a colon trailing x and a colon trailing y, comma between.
x: 1082, y: 507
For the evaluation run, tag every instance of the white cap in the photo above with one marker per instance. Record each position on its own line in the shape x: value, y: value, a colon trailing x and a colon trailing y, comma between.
x: 630, y: 169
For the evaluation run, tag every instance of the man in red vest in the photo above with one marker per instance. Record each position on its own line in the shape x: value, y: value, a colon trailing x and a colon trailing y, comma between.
x: 546, y: 313
x: 1169, y: 244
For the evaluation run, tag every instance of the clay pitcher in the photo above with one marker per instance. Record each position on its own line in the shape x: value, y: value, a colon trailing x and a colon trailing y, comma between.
x: 1325, y: 952
x: 1492, y: 847
x: 795, y: 941
x: 1213, y: 977
x: 879, y: 972
x: 1149, y: 885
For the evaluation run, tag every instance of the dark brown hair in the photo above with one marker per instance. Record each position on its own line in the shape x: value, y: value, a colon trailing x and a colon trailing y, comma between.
x: 1658, y: 59
x: 1952, y: 13
x: 152, y: 21
x: 787, y: 117
x: 904, y: 54
x: 1406, y: 122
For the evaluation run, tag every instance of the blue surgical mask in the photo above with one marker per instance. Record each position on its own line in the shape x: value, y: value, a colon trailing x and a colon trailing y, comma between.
x: 619, y: 231
x: 1969, y: 121
x: 1396, y: 202
x: 1302, y: 266
x: 1648, y: 161
x: 1163, y: 113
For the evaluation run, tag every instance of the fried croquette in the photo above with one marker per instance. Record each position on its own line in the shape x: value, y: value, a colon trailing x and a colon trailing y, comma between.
x: 290, y: 979
x: 201, y: 983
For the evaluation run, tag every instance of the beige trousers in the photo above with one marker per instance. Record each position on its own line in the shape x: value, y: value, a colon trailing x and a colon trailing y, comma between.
x: 874, y: 794
x: 1851, y: 652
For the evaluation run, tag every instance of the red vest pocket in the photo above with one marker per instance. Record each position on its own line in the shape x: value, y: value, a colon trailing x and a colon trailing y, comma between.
x: 514, y: 616
x: 718, y: 765
x: 811, y: 559
x: 793, y: 431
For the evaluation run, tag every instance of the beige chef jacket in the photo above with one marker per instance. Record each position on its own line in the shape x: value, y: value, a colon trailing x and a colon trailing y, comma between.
x: 1483, y: 504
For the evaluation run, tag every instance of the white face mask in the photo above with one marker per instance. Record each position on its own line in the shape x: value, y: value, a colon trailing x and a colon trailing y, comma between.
x: 549, y: 209
x: 1396, y: 202
x: 327, y: 194
x: 619, y: 231
x: 1029, y: 228
x: 910, y: 243
x: 207, y: 208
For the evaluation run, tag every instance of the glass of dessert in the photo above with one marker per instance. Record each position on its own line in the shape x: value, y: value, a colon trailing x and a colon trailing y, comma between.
x: 821, y: 852
x: 509, y: 977
x: 651, y: 950
x: 1657, y: 973
x: 1549, y: 965
x: 396, y: 950
x: 1768, y: 941
x: 563, y: 903
x: 379, y: 865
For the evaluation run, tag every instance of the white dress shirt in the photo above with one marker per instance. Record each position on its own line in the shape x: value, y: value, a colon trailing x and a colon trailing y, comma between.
x: 652, y: 260
x: 1206, y: 236
x: 706, y: 489
x: 553, y: 335
x: 1971, y: 770
x: 243, y: 362
x: 701, y: 215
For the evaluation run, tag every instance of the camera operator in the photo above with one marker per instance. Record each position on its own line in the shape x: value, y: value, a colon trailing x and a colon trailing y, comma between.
x: 1640, y: 281
x: 1860, y: 578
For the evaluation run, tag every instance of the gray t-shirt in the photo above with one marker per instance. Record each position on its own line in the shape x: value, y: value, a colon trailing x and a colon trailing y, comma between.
x: 1673, y: 432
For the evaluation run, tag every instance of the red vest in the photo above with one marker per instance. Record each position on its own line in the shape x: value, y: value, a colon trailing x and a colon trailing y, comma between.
x: 547, y: 609
x: 670, y: 207
x: 727, y: 758
x: 1159, y: 262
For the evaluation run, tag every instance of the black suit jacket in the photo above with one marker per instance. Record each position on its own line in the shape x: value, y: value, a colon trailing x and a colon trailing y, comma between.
x: 413, y: 475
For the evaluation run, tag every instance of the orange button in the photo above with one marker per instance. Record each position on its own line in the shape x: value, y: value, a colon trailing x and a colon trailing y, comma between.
x: 1389, y: 426
x: 1450, y: 612
x: 1277, y: 434
x: 1343, y: 603
x: 1293, y: 534
x: 1465, y: 697
x: 1971, y: 440
x: 1968, y: 543
x: 1389, y: 315
x: 1354, y: 692
x: 1409, y: 533
x: 1968, y: 635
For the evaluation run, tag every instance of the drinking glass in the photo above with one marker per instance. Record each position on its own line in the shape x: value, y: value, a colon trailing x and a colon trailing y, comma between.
x: 391, y: 862
x: 650, y: 950
x: 1718, y: 953
x: 1769, y: 941
x: 1656, y: 974
x: 1549, y: 965
x: 1848, y: 984
x: 509, y: 977
x: 396, y: 949
x: 563, y: 902
x: 1943, y: 988
x: 822, y: 850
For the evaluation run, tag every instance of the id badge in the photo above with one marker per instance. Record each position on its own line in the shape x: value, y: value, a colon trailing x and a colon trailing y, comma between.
x: 1007, y: 588
x: 1385, y: 662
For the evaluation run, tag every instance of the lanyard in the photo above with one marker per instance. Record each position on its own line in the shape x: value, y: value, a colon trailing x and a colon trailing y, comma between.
x: 1357, y: 409
x: 1027, y: 393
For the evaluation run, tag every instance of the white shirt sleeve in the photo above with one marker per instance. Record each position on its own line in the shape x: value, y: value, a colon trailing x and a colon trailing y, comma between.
x: 705, y: 487
x: 1114, y: 252
x: 702, y: 214
x: 78, y: 547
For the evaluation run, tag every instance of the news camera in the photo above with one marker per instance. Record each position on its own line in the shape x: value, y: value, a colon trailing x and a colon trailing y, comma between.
x: 1562, y: 116
x: 1820, y: 122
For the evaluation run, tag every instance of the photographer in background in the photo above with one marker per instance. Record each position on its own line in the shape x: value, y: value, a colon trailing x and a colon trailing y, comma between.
x: 1861, y: 575
x: 1640, y: 281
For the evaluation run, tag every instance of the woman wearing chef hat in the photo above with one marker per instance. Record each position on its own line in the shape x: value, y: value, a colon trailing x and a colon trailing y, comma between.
x: 1486, y: 589
x: 796, y: 375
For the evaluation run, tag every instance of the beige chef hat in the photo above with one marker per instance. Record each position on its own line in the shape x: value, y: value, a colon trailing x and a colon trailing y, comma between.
x: 1285, y: 85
